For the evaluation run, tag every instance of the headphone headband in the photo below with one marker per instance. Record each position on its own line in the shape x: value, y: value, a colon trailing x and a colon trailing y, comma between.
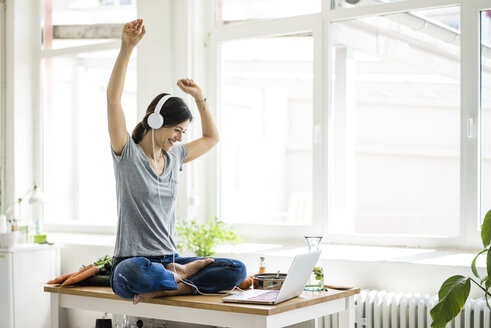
x: 156, y: 120
x: 161, y: 103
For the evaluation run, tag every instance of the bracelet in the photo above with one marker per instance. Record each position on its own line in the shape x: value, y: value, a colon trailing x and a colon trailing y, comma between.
x: 204, y: 100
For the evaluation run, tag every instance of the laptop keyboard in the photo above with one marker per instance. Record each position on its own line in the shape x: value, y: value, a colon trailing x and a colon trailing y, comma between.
x: 266, y: 297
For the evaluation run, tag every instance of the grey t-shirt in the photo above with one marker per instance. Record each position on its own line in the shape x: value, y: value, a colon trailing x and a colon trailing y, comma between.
x: 146, y: 202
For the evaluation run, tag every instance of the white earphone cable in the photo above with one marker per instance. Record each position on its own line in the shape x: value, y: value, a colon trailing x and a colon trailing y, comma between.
x: 157, y: 177
x: 201, y: 293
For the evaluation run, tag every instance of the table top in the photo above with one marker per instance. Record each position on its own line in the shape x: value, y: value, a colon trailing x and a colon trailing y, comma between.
x: 211, y: 302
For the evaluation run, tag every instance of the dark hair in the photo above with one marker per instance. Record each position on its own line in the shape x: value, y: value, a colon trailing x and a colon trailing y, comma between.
x: 174, y: 111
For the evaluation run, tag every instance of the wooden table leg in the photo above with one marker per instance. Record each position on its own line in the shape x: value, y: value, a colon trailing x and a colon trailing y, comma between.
x: 346, y: 319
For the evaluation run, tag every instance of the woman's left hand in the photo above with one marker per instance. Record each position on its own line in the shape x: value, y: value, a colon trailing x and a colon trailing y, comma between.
x: 191, y: 88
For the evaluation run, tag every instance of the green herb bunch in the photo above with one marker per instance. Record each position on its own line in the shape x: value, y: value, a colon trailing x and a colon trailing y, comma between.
x: 104, y: 263
x: 202, y: 238
x: 102, y: 277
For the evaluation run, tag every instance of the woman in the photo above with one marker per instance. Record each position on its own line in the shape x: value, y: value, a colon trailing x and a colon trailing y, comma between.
x: 146, y: 165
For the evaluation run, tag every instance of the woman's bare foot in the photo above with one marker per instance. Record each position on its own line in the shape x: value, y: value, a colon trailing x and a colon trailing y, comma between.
x: 184, y: 271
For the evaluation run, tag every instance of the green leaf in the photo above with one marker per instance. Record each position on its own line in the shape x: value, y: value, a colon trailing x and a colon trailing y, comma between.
x: 473, y: 265
x: 486, y: 230
x: 488, y: 264
x: 451, y: 299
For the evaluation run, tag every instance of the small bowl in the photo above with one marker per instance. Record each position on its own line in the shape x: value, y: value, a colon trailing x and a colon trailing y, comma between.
x: 8, y: 239
x: 272, y: 281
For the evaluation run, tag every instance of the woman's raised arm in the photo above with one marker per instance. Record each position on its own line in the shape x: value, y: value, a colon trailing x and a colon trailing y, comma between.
x: 210, y: 136
x: 132, y: 33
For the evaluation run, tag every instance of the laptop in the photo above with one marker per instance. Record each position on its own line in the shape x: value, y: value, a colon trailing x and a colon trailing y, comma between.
x: 294, y: 283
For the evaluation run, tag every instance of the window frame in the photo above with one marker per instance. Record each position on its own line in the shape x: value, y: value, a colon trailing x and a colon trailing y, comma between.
x: 311, y: 23
x: 470, y: 120
x: 38, y: 131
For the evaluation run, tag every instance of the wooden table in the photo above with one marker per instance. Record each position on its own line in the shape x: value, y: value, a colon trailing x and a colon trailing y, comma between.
x: 209, y: 310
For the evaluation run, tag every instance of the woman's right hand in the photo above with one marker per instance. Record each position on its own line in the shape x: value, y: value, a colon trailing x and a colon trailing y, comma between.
x: 133, y: 32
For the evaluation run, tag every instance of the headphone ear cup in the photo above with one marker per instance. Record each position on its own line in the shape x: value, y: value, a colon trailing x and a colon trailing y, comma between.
x: 155, y: 121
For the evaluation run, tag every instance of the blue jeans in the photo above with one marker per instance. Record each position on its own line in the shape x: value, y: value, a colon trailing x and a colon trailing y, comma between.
x: 136, y: 275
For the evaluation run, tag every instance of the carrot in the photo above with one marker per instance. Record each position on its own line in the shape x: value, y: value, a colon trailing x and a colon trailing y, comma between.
x: 64, y: 277
x: 60, y: 279
x: 89, y: 272
x: 85, y: 268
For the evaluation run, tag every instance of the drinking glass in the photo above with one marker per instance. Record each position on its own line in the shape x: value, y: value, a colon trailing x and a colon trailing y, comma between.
x: 316, y: 280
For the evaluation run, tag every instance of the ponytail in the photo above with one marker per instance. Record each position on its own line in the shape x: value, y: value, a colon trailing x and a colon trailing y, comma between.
x: 138, y: 132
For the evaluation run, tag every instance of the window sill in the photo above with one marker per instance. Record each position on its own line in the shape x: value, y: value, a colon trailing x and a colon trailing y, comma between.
x: 81, y: 239
x: 405, y: 270
x: 356, y: 253
x: 79, y: 228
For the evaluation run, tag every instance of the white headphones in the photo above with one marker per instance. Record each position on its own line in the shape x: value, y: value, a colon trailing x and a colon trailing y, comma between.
x: 155, y: 120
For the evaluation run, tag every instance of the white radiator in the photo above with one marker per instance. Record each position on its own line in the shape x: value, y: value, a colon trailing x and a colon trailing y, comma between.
x: 381, y: 309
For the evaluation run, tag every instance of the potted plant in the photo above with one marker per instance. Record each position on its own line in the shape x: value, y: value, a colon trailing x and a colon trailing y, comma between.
x: 455, y: 290
x: 202, y: 238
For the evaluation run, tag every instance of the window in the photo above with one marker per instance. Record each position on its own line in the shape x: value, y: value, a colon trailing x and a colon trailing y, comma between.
x: 79, y: 53
x: 396, y: 130
x: 392, y: 160
x: 266, y: 130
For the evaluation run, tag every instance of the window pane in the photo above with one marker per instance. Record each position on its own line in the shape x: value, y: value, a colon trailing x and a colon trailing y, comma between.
x: 486, y: 112
x: 266, y: 130
x: 396, y: 125
x: 69, y: 23
x: 231, y: 11
x: 78, y: 172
